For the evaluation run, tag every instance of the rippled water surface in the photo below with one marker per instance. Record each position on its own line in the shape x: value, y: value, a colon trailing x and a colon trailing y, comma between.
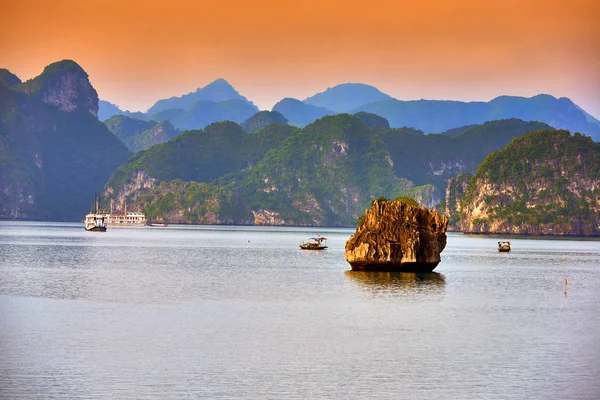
x: 242, y: 313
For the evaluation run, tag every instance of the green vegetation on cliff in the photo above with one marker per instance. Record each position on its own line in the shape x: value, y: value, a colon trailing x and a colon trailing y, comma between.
x: 324, y: 174
x: 547, y: 182
x: 433, y: 159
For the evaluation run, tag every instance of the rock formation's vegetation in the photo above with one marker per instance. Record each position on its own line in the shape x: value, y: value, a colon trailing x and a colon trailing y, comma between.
x: 544, y: 183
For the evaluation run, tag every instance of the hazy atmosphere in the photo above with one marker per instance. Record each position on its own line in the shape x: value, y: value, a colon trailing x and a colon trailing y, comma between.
x: 137, y: 52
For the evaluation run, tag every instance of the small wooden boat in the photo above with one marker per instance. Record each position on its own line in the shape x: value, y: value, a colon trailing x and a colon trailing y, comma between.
x: 314, y: 243
x: 504, y: 246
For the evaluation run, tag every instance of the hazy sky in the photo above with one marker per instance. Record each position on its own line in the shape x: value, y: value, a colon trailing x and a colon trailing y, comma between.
x: 137, y: 52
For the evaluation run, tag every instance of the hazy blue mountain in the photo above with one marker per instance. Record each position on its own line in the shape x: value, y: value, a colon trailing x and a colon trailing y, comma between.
x: 138, y: 134
x: 107, y: 110
x: 7, y: 78
x: 160, y: 132
x: 299, y: 113
x: 589, y: 117
x: 262, y: 119
x: 217, y: 92
x: 436, y: 116
x: 347, y: 97
x: 204, y: 113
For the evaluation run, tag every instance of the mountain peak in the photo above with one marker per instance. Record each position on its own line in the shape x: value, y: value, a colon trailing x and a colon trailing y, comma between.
x: 7, y: 78
x: 217, y: 91
x: 219, y: 82
x: 64, y: 84
x: 64, y: 66
x: 299, y: 113
x: 347, y: 97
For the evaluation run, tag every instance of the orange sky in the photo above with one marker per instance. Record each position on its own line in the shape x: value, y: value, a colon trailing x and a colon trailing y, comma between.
x: 137, y: 52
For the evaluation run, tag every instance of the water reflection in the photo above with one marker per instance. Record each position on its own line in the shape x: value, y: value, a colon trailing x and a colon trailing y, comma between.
x: 397, y: 282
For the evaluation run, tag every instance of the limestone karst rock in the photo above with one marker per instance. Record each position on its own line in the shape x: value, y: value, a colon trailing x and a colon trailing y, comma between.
x: 66, y: 85
x: 395, y: 236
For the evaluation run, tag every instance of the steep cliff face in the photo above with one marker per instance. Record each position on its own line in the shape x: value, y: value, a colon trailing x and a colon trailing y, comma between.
x: 66, y: 85
x: 51, y: 161
x: 455, y: 191
x: 138, y: 183
x: 180, y: 202
x: 545, y: 183
x: 397, y: 236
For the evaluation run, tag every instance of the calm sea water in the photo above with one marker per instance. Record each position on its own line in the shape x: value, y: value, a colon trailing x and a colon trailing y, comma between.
x: 241, y: 313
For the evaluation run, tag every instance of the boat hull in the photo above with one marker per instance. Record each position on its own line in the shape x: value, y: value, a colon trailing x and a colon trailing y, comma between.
x: 389, y: 267
x: 96, y: 229
x: 312, y: 247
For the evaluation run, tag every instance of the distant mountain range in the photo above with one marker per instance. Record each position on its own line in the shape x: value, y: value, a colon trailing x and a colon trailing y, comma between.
x: 216, y: 92
x: 438, y: 116
x: 219, y: 101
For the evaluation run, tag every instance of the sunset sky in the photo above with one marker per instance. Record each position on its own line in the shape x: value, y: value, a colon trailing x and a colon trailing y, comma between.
x: 137, y: 52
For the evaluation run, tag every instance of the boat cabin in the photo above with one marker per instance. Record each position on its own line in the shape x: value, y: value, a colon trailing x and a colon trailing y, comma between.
x: 314, y: 243
x: 95, y: 222
x: 503, y: 246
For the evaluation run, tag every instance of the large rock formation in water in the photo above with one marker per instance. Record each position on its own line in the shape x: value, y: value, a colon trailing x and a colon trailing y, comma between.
x: 396, y: 236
